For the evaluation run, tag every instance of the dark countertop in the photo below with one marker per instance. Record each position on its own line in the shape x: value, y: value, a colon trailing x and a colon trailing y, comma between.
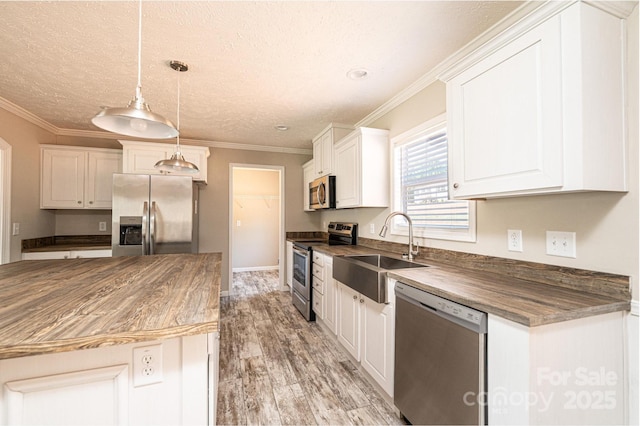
x: 63, y: 305
x: 67, y: 243
x: 67, y: 247
x: 528, y: 302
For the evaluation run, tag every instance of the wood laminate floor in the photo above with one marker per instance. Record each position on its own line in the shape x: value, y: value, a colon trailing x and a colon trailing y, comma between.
x: 276, y: 368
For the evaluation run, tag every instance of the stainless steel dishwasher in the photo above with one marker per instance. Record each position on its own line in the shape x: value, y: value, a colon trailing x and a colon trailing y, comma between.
x: 440, y: 359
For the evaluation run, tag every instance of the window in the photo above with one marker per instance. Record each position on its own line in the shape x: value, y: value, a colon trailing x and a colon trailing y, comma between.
x: 421, y: 187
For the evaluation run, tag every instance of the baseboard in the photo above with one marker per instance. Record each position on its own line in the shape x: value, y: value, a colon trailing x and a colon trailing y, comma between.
x: 256, y: 268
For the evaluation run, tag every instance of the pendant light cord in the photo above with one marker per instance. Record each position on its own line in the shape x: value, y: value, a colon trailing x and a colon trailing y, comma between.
x: 139, y: 87
x: 178, y: 118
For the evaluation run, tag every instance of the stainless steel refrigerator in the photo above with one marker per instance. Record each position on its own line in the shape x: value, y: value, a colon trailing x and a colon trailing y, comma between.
x: 154, y: 214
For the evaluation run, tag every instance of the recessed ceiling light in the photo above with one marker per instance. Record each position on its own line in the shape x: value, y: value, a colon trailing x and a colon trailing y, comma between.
x: 281, y: 128
x: 357, y: 74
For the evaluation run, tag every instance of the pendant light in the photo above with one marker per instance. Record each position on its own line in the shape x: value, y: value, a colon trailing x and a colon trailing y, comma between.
x: 136, y: 119
x: 177, y: 163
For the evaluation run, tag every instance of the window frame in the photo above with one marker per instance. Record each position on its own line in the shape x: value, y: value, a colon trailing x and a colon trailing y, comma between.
x: 399, y: 225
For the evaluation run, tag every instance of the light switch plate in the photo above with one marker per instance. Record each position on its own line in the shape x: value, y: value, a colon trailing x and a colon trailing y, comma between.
x: 561, y: 244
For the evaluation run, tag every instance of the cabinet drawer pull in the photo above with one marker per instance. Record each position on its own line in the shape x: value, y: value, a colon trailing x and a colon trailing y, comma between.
x: 455, y: 186
x: 79, y: 202
x: 90, y: 202
x: 355, y: 297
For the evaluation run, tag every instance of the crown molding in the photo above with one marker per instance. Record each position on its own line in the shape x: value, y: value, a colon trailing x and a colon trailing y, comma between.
x: 435, y: 74
x: 247, y: 147
x: 30, y: 117
x: 95, y: 134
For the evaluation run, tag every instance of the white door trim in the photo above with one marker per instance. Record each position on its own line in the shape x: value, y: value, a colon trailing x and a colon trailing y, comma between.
x: 5, y: 196
x: 281, y: 231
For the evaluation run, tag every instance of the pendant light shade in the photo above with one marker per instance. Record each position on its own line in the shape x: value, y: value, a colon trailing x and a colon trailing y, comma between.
x: 177, y: 163
x: 136, y: 119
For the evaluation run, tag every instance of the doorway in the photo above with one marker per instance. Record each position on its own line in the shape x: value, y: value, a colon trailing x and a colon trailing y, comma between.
x: 256, y: 219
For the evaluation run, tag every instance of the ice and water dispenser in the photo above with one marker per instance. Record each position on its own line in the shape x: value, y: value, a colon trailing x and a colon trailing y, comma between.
x: 130, y: 230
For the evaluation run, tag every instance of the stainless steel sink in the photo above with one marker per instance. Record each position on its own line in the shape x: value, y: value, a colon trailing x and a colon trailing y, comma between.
x: 367, y: 274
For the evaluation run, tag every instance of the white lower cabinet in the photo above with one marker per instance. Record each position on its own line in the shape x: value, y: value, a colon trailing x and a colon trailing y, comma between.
x: 570, y: 372
x: 330, y: 298
x: 366, y: 329
x: 349, y: 320
x: 72, y: 254
x: 98, y: 386
x: 318, y: 280
x: 377, y: 328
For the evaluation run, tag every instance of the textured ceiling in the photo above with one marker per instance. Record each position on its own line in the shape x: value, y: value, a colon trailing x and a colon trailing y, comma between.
x: 253, y: 65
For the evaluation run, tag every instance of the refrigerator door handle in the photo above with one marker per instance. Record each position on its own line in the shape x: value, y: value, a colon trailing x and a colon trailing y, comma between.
x: 145, y: 235
x: 152, y: 228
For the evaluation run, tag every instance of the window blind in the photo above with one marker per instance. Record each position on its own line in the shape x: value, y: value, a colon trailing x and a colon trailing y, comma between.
x: 423, y: 184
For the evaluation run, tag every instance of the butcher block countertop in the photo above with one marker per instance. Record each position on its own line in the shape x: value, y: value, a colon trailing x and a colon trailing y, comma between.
x: 52, y: 306
x: 532, y: 302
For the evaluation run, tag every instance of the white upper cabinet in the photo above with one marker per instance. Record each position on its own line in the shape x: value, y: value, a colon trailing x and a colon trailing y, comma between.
x: 362, y: 169
x: 541, y: 108
x: 77, y: 177
x: 323, y: 148
x: 141, y: 157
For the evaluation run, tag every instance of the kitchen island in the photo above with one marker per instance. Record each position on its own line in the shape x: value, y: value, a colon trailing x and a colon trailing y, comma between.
x: 110, y: 340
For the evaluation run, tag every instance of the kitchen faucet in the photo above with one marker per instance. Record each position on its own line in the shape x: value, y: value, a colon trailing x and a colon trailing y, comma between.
x: 383, y: 232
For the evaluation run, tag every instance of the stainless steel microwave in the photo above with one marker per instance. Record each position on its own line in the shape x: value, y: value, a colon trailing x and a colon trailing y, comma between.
x: 322, y: 193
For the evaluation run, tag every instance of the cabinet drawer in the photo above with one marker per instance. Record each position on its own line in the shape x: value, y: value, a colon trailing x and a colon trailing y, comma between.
x: 318, y: 259
x: 318, y: 285
x: 318, y: 271
x: 318, y: 304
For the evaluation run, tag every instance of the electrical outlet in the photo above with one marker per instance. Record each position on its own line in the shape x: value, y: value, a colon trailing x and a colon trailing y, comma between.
x: 561, y: 244
x: 372, y: 228
x: 16, y: 228
x: 102, y: 226
x: 514, y: 239
x: 147, y: 365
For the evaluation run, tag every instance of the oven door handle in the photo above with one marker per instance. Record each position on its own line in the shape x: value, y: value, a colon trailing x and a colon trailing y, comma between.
x: 301, y: 252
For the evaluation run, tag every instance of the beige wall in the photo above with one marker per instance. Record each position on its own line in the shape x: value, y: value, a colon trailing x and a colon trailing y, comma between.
x: 25, y: 139
x: 82, y: 222
x: 606, y: 224
x: 256, y: 218
x: 214, y: 198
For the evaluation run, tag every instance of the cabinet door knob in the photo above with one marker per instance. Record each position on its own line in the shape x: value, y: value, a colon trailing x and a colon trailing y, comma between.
x: 355, y: 297
x: 79, y: 202
x: 455, y: 186
x: 90, y: 202
x: 361, y: 300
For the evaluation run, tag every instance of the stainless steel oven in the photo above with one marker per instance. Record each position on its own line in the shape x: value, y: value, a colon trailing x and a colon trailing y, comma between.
x: 302, y: 286
x: 339, y: 234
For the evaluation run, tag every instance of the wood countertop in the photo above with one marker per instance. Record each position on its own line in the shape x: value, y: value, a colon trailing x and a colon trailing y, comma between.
x: 52, y: 306
x: 527, y: 302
